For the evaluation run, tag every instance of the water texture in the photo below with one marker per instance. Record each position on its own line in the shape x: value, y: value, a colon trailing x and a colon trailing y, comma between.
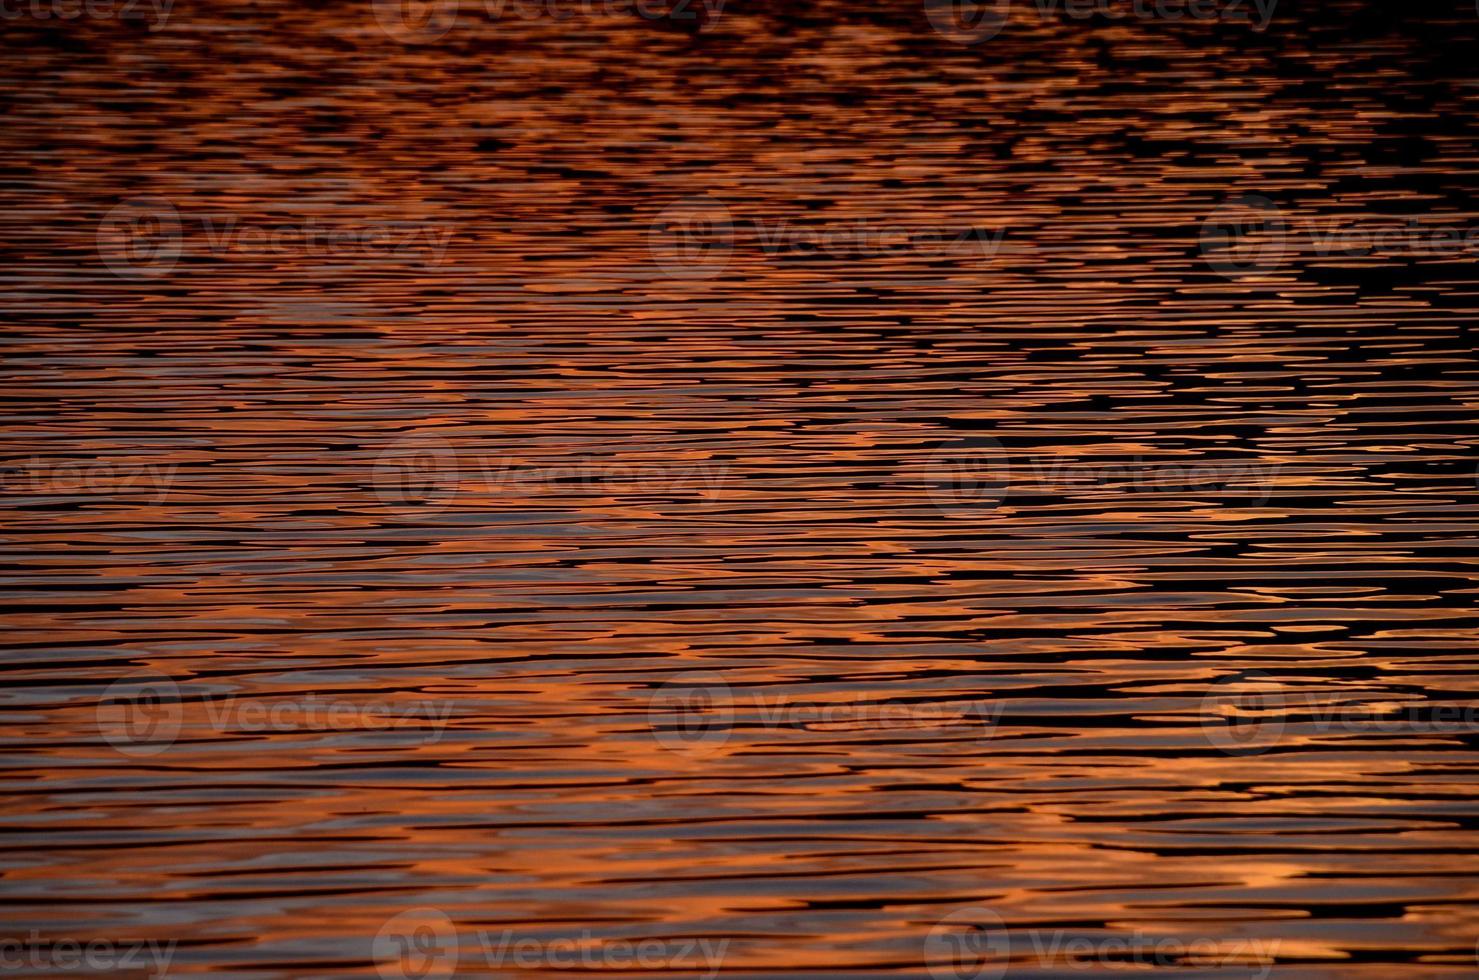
x: 807, y: 490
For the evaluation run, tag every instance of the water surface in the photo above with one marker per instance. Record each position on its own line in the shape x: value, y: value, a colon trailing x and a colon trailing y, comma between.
x: 805, y: 485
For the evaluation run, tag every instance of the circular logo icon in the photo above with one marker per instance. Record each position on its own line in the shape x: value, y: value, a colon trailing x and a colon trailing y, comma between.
x: 415, y: 21
x: 140, y: 238
x: 417, y: 944
x: 967, y: 21
x: 968, y: 944
x: 692, y: 712
x: 692, y: 238
x: 1243, y: 714
x: 1246, y: 234
x: 968, y: 476
x: 417, y: 472
x: 140, y: 713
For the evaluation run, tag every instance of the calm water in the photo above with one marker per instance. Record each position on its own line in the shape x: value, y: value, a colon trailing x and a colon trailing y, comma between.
x: 801, y: 497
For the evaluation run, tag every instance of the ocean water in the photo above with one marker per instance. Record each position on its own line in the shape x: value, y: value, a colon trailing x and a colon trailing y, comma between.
x: 797, y: 490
